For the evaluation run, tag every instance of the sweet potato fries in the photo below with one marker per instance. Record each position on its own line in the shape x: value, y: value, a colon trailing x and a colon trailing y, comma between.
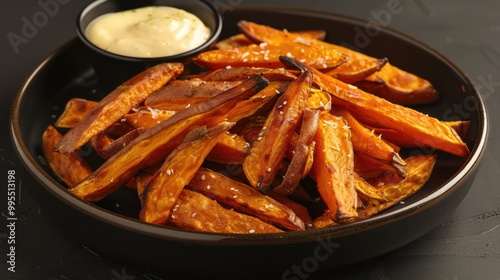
x: 275, y: 124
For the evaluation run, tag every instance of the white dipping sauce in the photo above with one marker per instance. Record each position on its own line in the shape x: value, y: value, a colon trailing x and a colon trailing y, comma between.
x: 148, y: 32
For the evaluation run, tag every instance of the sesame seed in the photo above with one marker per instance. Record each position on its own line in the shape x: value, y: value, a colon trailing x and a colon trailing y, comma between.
x: 202, y: 177
x: 251, y: 231
x: 193, y: 215
x: 208, y: 187
x: 269, y: 169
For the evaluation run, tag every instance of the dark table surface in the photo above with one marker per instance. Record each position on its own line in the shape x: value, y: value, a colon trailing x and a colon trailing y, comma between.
x: 466, y: 245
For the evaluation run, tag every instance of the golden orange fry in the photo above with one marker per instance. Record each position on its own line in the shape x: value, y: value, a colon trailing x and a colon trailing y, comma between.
x: 179, y: 168
x: 70, y: 168
x: 266, y: 154
x: 74, y: 111
x: 118, y: 103
x: 245, y: 199
x: 194, y: 211
x: 267, y: 55
x: 333, y: 167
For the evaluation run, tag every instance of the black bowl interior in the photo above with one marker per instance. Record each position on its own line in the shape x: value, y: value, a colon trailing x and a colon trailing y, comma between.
x: 67, y: 73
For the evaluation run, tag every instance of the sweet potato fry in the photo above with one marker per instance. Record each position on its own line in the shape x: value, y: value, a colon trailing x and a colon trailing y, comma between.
x: 369, y: 167
x: 308, y: 157
x: 246, y: 108
x: 181, y: 93
x: 147, y: 118
x: 376, y: 111
x: 117, y: 103
x: 367, y: 191
x: 300, y: 210
x: 266, y: 55
x: 74, y: 111
x: 235, y: 41
x: 230, y: 149
x: 357, y: 69
x: 323, y: 221
x: 334, y: 167
x: 240, y: 40
x: 194, y: 211
x: 396, y: 189
x: 70, y: 168
x: 364, y: 141
x: 397, y: 138
x: 244, y: 199
x: 243, y: 73
x: 179, y: 168
x: 301, y: 154
x: 397, y: 84
x: 391, y: 187
x: 319, y: 100
x: 266, y: 154
x: 461, y: 127
x: 152, y: 146
x: 100, y: 142
x: 120, y: 143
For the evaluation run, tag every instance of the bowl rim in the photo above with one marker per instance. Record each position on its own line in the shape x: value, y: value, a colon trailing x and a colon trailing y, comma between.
x: 210, y: 41
x: 174, y: 234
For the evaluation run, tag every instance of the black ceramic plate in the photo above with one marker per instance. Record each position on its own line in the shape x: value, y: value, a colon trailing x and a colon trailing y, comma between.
x: 111, y: 225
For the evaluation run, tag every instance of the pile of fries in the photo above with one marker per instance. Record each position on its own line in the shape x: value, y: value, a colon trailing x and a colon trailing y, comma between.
x: 275, y: 126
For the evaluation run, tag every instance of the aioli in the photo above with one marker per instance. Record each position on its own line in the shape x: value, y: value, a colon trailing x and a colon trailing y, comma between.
x: 152, y: 31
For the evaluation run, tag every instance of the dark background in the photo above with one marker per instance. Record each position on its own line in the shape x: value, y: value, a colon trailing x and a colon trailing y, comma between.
x: 464, y: 246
